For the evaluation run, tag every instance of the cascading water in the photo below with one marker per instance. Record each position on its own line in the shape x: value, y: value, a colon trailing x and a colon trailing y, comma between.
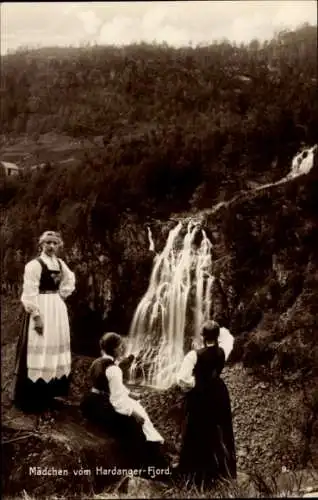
x: 302, y: 162
x: 179, y: 294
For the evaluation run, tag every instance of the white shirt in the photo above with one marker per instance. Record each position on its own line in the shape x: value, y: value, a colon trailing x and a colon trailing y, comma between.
x: 124, y: 404
x: 31, y: 281
x: 185, y: 376
x: 118, y: 392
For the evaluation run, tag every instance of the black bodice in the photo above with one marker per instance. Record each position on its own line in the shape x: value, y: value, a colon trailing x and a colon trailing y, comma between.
x: 209, y: 365
x: 50, y: 280
x: 97, y: 374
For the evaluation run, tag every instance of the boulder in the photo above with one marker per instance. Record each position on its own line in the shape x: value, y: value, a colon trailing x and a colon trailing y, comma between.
x: 72, y: 456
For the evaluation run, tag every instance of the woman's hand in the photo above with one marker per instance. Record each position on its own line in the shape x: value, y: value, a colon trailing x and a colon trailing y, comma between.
x: 38, y: 324
x: 139, y: 419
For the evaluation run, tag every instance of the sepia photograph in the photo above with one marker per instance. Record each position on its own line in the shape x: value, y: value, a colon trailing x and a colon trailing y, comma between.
x: 159, y: 249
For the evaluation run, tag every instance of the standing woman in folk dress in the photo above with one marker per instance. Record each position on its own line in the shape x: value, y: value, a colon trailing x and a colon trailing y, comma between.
x: 43, y: 359
x: 208, y: 447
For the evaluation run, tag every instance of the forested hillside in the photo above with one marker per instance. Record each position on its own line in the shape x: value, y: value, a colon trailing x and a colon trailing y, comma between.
x: 181, y: 128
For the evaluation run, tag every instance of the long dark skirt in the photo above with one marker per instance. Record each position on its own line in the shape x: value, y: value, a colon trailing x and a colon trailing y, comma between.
x: 208, y: 448
x: 97, y: 409
x: 31, y: 396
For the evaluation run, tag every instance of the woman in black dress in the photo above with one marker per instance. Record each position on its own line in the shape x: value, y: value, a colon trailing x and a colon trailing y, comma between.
x: 208, y: 448
x: 111, y: 406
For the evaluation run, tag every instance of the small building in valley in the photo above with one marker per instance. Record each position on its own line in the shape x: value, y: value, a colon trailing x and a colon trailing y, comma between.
x: 9, y: 168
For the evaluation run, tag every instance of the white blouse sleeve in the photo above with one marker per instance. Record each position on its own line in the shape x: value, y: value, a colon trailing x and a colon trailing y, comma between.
x: 185, y: 376
x: 119, y: 394
x: 30, y: 292
x: 226, y: 341
x: 67, y: 285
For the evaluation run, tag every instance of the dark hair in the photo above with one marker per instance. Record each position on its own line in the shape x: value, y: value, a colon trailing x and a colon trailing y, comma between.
x: 210, y: 331
x: 109, y: 342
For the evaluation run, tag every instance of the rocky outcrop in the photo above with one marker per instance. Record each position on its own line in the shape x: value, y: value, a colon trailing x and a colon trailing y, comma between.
x: 59, y: 452
x: 66, y: 459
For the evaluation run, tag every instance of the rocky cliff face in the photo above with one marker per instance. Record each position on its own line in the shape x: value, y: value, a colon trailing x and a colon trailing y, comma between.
x: 110, y: 282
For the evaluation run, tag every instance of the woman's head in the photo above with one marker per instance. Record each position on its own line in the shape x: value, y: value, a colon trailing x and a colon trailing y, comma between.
x: 50, y: 242
x: 112, y: 343
x: 210, y: 331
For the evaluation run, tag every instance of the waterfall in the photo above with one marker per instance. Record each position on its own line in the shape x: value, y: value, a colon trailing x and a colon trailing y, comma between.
x: 179, y: 295
x: 178, y: 299
x: 151, y: 242
x: 302, y: 162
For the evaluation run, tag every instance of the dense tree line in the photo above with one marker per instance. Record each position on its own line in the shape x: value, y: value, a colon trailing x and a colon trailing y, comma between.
x: 182, y: 128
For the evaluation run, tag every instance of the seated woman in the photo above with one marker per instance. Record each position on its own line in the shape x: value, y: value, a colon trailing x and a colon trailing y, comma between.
x: 110, y: 405
x: 208, y: 449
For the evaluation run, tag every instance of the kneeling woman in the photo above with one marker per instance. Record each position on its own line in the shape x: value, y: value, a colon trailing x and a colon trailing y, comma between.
x: 208, y: 449
x: 109, y: 404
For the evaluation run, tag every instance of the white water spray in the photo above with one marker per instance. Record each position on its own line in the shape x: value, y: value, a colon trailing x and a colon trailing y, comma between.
x: 179, y: 295
x: 151, y: 242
